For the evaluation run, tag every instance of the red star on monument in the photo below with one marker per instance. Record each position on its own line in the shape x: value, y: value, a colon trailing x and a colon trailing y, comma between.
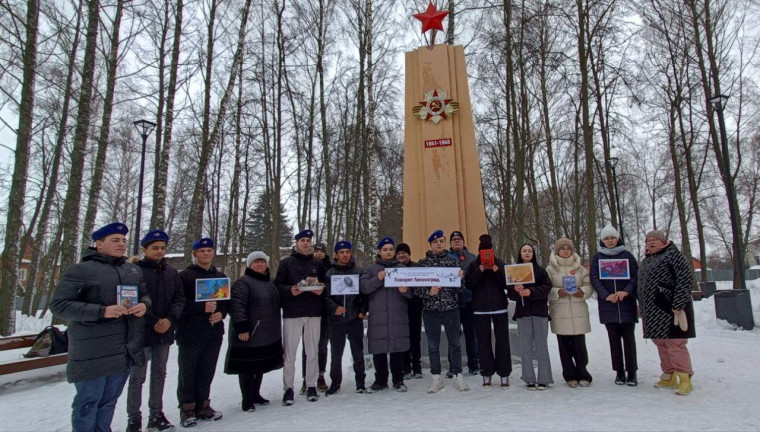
x: 432, y: 18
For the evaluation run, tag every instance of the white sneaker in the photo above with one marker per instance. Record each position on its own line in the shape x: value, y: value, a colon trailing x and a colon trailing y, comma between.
x: 436, y: 385
x: 459, y: 383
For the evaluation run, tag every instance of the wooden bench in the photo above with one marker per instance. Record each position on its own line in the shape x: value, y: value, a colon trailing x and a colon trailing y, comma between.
x: 27, y: 364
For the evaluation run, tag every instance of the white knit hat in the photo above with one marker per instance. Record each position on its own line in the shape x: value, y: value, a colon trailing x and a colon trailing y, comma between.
x: 609, y: 231
x: 254, y: 256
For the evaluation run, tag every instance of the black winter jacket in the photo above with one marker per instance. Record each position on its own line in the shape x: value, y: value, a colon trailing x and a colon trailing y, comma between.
x: 255, y: 307
x: 165, y: 290
x: 625, y: 311
x: 537, y: 303
x: 193, y: 323
x: 99, y: 346
x: 354, y: 304
x: 292, y: 270
x: 488, y: 287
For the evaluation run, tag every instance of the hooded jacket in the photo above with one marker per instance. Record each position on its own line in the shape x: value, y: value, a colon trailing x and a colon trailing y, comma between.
x: 388, y: 326
x: 569, y: 314
x: 488, y: 287
x: 99, y: 346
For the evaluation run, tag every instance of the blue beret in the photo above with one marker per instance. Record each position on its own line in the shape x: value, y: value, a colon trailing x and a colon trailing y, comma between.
x: 436, y: 235
x: 305, y: 233
x: 385, y: 241
x: 112, y: 228
x: 204, y: 242
x: 154, y: 236
x: 343, y: 244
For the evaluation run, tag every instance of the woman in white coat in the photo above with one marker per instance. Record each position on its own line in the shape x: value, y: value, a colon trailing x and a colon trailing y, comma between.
x: 569, y: 311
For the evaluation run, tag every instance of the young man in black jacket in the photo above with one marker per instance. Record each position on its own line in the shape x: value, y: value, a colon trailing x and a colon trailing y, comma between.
x: 413, y: 360
x: 346, y: 314
x: 199, y: 338
x: 165, y: 290
x: 301, y: 313
x: 105, y: 337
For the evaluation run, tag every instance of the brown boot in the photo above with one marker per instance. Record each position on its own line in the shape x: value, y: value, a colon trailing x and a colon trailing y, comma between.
x: 187, y: 415
x: 321, y: 383
x: 208, y: 413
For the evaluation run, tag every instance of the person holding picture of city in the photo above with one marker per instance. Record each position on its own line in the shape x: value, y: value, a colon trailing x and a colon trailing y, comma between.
x: 441, y: 308
x: 618, y: 307
x: 255, y: 337
x: 388, y: 326
x: 569, y: 312
x: 532, y: 316
x: 346, y: 313
x: 200, y: 332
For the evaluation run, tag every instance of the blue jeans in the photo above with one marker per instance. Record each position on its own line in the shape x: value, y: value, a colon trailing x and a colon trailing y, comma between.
x: 95, y: 401
x: 450, y: 321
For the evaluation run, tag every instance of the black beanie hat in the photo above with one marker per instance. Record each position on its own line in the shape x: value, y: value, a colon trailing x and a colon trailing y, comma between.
x: 485, y: 242
x: 403, y: 247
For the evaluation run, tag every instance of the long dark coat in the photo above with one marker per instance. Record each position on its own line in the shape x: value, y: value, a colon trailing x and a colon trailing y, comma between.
x: 254, y: 308
x: 99, y: 346
x: 623, y: 311
x: 665, y: 283
x: 388, y: 327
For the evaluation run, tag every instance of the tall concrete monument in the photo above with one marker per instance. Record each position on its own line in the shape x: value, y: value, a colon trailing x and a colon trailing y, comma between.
x: 442, y: 184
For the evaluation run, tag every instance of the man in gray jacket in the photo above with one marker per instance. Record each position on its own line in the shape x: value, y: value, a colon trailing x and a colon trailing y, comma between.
x: 105, y: 336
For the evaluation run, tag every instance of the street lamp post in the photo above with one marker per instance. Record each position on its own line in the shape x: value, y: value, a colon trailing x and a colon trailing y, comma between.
x: 613, y: 161
x: 718, y: 101
x: 145, y: 128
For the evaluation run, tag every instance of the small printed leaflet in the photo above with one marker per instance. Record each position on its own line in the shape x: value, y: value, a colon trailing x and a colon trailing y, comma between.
x: 487, y: 259
x: 519, y: 274
x: 126, y: 295
x: 614, y: 269
x: 212, y: 289
x: 571, y: 287
x: 344, y: 284
x: 422, y: 277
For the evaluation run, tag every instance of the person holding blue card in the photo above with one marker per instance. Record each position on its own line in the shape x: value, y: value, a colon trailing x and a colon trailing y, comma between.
x: 199, y: 338
x: 616, y: 292
x: 569, y: 311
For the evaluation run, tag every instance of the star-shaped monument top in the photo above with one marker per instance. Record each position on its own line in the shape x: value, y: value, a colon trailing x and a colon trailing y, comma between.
x: 432, y: 18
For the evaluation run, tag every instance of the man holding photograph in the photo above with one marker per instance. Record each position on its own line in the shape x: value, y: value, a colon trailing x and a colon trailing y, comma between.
x: 105, y: 339
x: 346, y: 313
x: 199, y: 337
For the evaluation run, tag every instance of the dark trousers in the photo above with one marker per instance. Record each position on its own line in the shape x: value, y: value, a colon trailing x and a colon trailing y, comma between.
x: 157, y: 356
x: 450, y: 321
x: 324, y: 337
x: 354, y: 331
x: 250, y: 387
x: 622, y: 340
x: 197, y: 364
x: 501, y: 361
x: 413, y: 357
x: 467, y: 319
x: 574, y: 357
x: 95, y: 402
x: 381, y: 367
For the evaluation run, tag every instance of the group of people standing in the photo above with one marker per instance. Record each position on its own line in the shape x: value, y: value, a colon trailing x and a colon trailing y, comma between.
x: 110, y: 344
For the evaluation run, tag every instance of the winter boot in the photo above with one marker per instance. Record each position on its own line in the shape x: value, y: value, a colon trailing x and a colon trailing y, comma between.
x: 311, y: 394
x: 631, y: 381
x: 159, y: 423
x: 684, y: 383
x: 459, y: 383
x: 256, y: 391
x: 436, y: 385
x: 620, y: 378
x: 303, y: 388
x: 187, y: 415
x: 360, y: 388
x: 486, y: 383
x: 321, y: 383
x: 287, y: 398
x: 572, y: 384
x: 667, y: 381
x: 134, y: 424
x: 400, y: 387
x: 505, y: 383
x: 334, y: 388
x: 377, y: 387
x: 207, y: 413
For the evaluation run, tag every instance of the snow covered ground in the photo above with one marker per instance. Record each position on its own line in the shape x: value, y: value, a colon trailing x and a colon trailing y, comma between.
x: 726, y: 382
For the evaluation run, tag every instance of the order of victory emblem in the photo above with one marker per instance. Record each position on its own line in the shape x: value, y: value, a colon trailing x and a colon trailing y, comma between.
x: 436, y: 106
